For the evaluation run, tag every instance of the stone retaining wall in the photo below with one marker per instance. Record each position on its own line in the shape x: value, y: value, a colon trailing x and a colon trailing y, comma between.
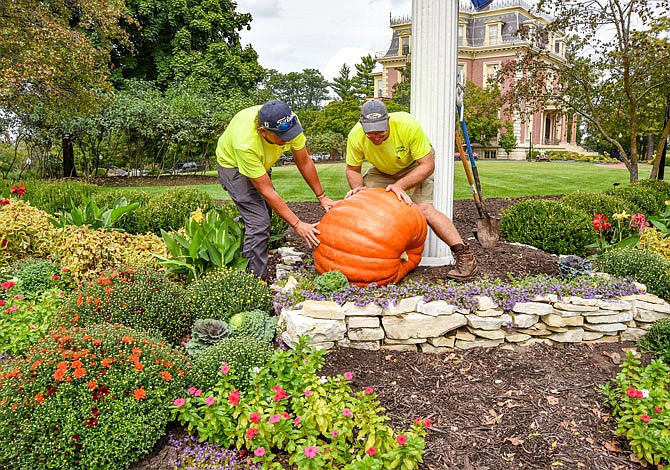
x: 434, y: 327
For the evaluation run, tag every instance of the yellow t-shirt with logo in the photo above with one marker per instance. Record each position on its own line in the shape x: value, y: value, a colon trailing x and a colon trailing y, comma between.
x: 242, y: 147
x: 406, y: 143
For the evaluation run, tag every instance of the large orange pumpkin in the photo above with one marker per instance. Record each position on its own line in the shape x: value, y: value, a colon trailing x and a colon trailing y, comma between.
x: 371, y: 237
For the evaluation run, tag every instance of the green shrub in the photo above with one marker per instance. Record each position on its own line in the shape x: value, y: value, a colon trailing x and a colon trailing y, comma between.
x: 661, y: 187
x: 36, y: 275
x: 549, y: 225
x: 87, y: 398
x: 646, y: 198
x: 129, y: 222
x: 222, y: 293
x: 646, y: 267
x: 55, y: 196
x: 136, y: 297
x: 657, y: 340
x: 255, y: 323
x: 601, y: 203
x: 241, y: 353
x: 331, y: 281
x: 169, y: 210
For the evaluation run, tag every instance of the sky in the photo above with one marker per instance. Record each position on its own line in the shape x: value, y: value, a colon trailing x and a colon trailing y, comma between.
x: 293, y: 35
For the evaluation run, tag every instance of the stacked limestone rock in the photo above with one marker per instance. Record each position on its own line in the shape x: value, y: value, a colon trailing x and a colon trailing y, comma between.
x: 415, y: 325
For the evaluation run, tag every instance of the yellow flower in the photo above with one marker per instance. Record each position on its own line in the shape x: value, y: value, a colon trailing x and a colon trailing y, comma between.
x: 197, y: 216
x: 667, y: 203
x: 622, y: 216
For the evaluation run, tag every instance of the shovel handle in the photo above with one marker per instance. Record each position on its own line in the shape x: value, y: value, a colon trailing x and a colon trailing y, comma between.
x: 466, y: 167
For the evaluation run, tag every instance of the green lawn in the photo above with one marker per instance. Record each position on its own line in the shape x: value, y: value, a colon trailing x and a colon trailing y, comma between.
x: 499, y: 179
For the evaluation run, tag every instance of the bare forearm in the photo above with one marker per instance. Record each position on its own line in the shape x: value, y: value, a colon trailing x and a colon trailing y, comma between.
x: 354, y: 177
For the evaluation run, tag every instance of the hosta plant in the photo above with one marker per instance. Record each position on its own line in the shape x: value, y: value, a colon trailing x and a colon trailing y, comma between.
x: 640, y: 401
x: 87, y: 398
x: 93, y: 216
x: 209, y: 241
x: 320, y: 422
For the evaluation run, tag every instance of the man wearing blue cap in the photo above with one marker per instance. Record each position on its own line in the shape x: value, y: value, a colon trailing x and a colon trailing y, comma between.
x: 403, y: 161
x: 253, y: 141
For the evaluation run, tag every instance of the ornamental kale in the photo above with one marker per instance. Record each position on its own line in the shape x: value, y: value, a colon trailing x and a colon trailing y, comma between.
x: 331, y: 281
x: 206, y: 332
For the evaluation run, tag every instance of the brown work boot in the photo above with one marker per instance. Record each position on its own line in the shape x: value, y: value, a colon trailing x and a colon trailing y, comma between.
x: 466, y: 264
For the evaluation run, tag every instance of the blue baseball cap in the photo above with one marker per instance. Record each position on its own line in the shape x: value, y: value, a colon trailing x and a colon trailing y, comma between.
x: 276, y: 116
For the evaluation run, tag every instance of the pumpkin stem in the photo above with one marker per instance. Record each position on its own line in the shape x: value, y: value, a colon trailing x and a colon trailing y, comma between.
x: 404, y: 256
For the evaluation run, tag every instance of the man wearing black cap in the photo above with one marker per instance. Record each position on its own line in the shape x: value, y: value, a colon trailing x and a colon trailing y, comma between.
x: 253, y: 141
x: 403, y: 161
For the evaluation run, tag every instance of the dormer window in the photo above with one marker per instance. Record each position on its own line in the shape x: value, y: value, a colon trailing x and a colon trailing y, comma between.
x: 494, y: 32
x: 404, y: 49
x: 462, y: 37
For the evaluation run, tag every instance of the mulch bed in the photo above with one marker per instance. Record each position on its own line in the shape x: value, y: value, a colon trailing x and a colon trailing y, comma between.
x: 534, y: 408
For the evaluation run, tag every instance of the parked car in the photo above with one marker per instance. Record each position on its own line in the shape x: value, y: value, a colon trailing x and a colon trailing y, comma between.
x: 185, y: 167
x: 137, y: 172
x: 114, y: 171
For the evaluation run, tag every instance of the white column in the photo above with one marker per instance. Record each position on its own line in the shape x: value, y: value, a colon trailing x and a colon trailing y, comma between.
x: 434, y: 68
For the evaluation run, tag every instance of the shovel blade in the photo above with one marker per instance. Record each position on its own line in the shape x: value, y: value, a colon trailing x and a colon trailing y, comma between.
x: 488, y: 232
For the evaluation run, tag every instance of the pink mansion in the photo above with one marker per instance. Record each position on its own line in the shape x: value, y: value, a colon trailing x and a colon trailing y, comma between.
x: 486, y: 40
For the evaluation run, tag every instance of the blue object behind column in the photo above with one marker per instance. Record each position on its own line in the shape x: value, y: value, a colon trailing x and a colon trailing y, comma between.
x: 481, y: 4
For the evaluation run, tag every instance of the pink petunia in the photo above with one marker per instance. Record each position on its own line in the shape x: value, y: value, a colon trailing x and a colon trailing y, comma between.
x: 280, y: 393
x: 645, y: 418
x: 368, y: 390
x: 179, y: 402
x: 251, y: 433
x: 348, y: 375
x: 274, y: 419
x: 347, y: 412
x: 371, y: 451
x: 297, y: 420
x: 402, y: 439
x: 224, y: 368
x: 260, y: 452
x: 210, y: 400
x: 311, y: 451
x: 191, y: 390
x: 255, y: 418
x: 12, y: 309
x: 308, y: 393
x: 334, y: 433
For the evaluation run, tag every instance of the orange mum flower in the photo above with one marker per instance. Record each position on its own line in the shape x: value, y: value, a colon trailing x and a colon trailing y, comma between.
x: 59, y: 375
x: 79, y: 373
x: 166, y: 375
x: 140, y: 393
x: 92, y: 384
x: 128, y: 339
x: 107, y: 363
x: 39, y: 398
x: 139, y: 367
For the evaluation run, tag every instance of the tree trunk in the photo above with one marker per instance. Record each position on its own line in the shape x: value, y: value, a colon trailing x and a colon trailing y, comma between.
x: 69, y: 170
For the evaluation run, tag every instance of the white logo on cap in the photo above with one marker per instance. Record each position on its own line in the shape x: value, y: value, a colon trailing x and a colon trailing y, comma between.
x: 374, y: 116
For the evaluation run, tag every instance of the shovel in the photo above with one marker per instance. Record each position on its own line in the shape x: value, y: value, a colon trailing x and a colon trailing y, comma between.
x: 487, y: 232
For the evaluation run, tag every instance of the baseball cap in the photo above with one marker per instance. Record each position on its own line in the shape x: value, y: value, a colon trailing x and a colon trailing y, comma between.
x: 276, y: 116
x: 374, y: 117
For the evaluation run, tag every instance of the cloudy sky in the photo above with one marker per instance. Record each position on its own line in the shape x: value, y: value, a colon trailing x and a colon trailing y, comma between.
x: 292, y: 35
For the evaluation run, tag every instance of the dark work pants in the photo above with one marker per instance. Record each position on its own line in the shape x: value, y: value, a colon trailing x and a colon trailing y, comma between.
x: 256, y: 214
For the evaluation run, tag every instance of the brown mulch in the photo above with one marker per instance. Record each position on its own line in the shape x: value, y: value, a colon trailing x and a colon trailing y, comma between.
x: 492, y: 409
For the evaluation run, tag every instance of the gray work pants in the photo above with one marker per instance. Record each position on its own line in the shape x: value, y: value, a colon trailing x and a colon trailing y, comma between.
x: 256, y: 214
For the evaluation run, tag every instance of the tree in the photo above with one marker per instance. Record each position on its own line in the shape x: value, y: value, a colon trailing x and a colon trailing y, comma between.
x: 301, y: 90
x: 482, y: 108
x: 190, y: 42
x: 617, y: 53
x: 363, y: 82
x: 54, y: 58
x: 402, y: 91
x: 508, y: 140
x: 343, y: 85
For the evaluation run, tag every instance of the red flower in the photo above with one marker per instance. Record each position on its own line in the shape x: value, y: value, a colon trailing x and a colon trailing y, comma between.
x: 645, y: 418
x: 234, y: 397
x: 402, y: 439
x: 18, y: 191
x: 280, y: 393
x: 251, y: 433
x: 371, y: 451
x: 658, y: 409
x: 4, y: 202
x: 255, y: 418
x: 600, y: 222
x: 368, y: 390
x: 7, y: 285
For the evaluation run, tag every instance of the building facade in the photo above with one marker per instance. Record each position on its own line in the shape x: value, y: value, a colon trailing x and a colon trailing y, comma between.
x: 486, y: 40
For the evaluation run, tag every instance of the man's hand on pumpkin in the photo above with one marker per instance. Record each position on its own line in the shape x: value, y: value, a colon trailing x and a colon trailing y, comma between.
x: 400, y: 192
x: 308, y: 232
x: 354, y: 191
x: 327, y: 203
